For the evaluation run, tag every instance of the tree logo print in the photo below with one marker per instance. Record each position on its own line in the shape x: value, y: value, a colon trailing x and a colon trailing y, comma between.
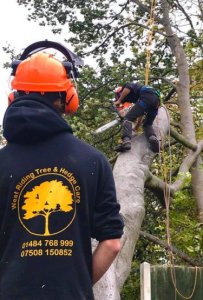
x: 50, y: 197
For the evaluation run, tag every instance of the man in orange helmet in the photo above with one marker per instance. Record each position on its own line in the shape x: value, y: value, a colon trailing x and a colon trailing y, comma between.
x: 123, y: 107
x: 146, y: 100
x: 57, y: 192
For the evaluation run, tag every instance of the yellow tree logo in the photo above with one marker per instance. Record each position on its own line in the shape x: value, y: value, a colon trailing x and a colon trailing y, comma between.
x: 47, y: 198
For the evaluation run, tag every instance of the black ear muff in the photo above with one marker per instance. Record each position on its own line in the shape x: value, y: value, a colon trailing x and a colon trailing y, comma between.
x: 69, y: 68
x: 71, y: 65
x: 14, y: 66
x: 73, y: 61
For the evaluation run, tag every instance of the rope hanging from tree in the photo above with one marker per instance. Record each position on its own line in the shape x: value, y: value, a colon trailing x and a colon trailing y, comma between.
x: 148, y: 50
x: 167, y: 204
x: 149, y: 40
x: 166, y: 190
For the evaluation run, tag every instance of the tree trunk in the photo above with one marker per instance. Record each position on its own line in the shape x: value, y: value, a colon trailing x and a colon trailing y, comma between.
x: 130, y: 173
x: 131, y: 170
x: 197, y: 185
x: 183, y: 90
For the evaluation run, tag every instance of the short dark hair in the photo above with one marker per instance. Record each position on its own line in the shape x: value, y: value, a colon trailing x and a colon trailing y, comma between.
x: 49, y: 97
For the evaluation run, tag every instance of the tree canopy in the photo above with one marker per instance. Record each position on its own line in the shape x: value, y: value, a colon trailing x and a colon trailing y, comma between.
x: 113, y: 35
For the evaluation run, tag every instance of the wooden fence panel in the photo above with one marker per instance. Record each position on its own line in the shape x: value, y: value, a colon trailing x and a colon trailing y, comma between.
x: 167, y: 283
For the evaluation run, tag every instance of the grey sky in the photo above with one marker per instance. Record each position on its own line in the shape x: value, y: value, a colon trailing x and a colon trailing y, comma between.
x: 17, y: 31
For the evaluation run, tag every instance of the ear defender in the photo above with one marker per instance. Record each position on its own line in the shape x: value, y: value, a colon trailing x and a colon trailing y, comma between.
x: 72, y: 101
x: 12, y: 96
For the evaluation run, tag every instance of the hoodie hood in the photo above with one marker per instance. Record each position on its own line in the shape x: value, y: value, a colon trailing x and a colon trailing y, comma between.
x: 30, y: 120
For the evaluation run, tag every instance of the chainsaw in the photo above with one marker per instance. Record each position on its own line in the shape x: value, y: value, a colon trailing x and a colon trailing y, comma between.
x: 120, y: 111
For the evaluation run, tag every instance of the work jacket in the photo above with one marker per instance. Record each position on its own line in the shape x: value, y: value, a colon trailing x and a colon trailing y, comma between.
x: 141, y: 92
x: 56, y: 193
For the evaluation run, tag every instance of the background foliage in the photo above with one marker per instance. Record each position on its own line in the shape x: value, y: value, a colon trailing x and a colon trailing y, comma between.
x: 114, y: 35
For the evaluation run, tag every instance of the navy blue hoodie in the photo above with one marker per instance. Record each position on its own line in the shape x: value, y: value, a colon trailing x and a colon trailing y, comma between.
x: 55, y: 193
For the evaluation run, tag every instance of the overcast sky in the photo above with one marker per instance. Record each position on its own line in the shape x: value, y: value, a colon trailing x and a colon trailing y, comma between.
x: 17, y: 31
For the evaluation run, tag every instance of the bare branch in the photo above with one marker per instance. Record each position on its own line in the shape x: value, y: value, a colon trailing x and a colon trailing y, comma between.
x: 173, y: 249
x: 147, y: 9
x: 165, y: 80
x: 118, y: 14
x: 201, y: 8
x: 157, y: 184
x: 186, y: 15
x: 117, y: 30
x: 176, y: 124
x: 180, y: 138
x: 190, y: 22
x: 170, y: 94
x: 185, y: 167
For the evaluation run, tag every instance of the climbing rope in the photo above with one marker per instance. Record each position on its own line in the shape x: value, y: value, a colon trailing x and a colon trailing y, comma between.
x: 148, y: 50
x: 165, y: 171
x: 175, y: 285
x: 149, y: 40
x: 167, y: 185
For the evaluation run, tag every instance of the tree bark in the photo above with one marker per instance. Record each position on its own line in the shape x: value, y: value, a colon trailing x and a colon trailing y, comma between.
x: 130, y: 173
x: 197, y: 185
x: 183, y: 90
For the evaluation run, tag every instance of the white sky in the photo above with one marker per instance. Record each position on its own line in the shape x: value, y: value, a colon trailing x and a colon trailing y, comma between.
x: 17, y: 31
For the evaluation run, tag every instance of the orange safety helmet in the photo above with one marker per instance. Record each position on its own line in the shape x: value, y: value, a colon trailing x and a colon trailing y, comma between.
x: 42, y: 72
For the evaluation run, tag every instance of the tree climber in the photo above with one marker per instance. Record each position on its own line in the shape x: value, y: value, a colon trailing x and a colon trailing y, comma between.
x: 147, y: 101
x: 123, y: 107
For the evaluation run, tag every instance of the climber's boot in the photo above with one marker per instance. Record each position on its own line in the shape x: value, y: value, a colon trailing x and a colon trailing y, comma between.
x: 154, y: 143
x: 124, y: 146
x: 126, y: 137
